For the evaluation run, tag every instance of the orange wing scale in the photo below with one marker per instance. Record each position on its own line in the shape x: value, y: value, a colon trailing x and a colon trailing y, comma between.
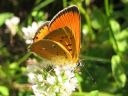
x: 41, y: 32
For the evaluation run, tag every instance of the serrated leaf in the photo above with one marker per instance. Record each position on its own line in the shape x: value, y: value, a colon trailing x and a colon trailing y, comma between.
x: 118, y: 71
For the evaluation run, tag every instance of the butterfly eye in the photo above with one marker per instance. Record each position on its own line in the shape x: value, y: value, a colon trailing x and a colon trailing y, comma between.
x: 57, y: 53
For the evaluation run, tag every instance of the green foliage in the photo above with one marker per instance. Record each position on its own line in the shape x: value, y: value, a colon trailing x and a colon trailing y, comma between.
x: 118, y: 71
x: 104, y: 45
x: 4, y: 91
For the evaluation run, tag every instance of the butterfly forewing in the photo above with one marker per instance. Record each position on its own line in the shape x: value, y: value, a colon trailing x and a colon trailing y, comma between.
x: 68, y: 17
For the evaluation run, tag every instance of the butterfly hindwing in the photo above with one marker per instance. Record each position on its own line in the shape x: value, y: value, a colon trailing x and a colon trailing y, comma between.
x: 52, y: 51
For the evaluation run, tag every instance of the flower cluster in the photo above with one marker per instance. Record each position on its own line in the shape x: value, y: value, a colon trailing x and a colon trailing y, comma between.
x: 58, y: 81
x: 12, y: 24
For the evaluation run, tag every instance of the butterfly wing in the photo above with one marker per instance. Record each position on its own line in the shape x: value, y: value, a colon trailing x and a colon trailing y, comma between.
x: 69, y: 17
x: 52, y: 51
x: 63, y: 32
x: 41, y: 32
x: 64, y: 37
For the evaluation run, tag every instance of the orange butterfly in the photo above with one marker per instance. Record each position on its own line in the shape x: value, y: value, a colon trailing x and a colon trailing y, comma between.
x: 59, y: 39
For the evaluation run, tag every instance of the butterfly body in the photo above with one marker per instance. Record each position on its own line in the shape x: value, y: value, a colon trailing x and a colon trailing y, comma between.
x: 59, y: 40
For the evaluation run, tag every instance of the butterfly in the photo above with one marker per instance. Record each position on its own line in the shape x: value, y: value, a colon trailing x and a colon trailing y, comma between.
x: 58, y: 40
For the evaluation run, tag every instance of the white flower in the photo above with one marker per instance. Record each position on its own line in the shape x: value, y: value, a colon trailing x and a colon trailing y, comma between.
x: 30, y: 31
x: 12, y: 24
x: 31, y: 77
x: 69, y: 73
x: 39, y: 77
x: 57, y: 70
x: 57, y: 89
x: 61, y: 80
x: 33, y: 67
x: 51, y: 80
x: 38, y: 92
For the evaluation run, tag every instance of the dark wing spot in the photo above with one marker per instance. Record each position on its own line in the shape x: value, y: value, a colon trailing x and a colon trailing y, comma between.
x: 57, y: 53
x: 69, y: 49
x: 61, y: 40
x: 62, y: 37
x: 69, y: 44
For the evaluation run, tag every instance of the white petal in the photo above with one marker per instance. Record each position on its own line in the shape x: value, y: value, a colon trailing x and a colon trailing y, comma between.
x: 39, y: 77
x: 15, y: 20
x: 51, y: 80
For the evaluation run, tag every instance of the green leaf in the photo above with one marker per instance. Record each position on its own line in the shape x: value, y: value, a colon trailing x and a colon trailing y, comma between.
x: 39, y: 15
x: 2, y: 73
x: 43, y: 4
x: 87, y: 2
x: 4, y: 91
x: 94, y: 93
x: 114, y: 26
x: 4, y: 16
x: 106, y: 94
x: 118, y: 71
x: 122, y: 40
x: 13, y: 65
x: 125, y: 1
x: 115, y: 30
x: 98, y: 19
